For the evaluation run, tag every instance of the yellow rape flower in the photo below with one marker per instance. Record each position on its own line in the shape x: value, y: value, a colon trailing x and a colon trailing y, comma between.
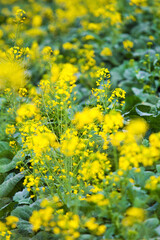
x: 20, y: 16
x: 12, y: 221
x: 106, y: 52
x: 27, y: 110
x: 134, y: 215
x: 10, y: 129
x: 87, y: 116
x: 12, y: 75
x: 37, y: 21
x: 138, y: 2
x: 137, y: 127
x: 127, y: 44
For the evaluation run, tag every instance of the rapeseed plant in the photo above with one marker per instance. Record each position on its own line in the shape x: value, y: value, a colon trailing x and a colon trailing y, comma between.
x: 88, y: 170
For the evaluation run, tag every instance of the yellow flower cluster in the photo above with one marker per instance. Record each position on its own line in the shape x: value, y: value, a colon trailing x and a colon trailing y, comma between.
x: 112, y: 122
x: 27, y: 111
x: 64, y: 225
x: 127, y: 44
x: 140, y: 3
x: 20, y: 16
x: 87, y: 116
x: 95, y: 227
x: 98, y: 199
x: 103, y: 94
x: 31, y: 183
x: 71, y: 144
x: 41, y: 217
x: 132, y: 152
x: 60, y: 86
x: 152, y: 183
x: 106, y: 52
x: 10, y: 129
x: 12, y: 75
x: 22, y: 92
x: 95, y: 167
x: 17, y: 53
x: 133, y: 215
x: 40, y: 140
x: 118, y: 93
x: 11, y: 223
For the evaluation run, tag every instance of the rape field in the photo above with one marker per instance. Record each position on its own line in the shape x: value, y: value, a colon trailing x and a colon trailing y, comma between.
x: 79, y: 119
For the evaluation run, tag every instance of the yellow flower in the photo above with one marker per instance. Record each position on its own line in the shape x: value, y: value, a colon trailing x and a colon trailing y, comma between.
x: 35, y: 220
x: 134, y: 215
x: 138, y: 2
x: 127, y: 44
x: 12, y: 221
x: 68, y: 46
x: 137, y: 127
x: 87, y: 116
x: 10, y: 129
x: 106, y: 52
x: 37, y: 21
x: 20, y: 16
x: 27, y: 110
x: 12, y: 75
x: 101, y: 229
x: 91, y: 224
x: 3, y: 227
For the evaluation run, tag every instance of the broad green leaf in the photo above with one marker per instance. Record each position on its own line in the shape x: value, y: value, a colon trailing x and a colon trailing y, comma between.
x: 145, y: 109
x: 18, y: 157
x: 158, y: 168
x: 24, y: 226
x: 6, y: 209
x: 4, y: 201
x: 7, y: 154
x: 23, y: 212
x: 143, y: 75
x: 154, y: 123
x: 7, y: 186
x: 151, y: 223
x: 22, y: 197
x: 6, y: 165
x: 4, y: 146
x: 158, y: 230
x: 43, y: 235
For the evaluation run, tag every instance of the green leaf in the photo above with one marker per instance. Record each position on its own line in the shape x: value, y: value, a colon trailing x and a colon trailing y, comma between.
x: 151, y: 223
x: 7, y: 154
x: 152, y: 99
x: 23, y: 212
x: 110, y: 231
x: 24, y: 226
x: 143, y: 75
x: 4, y: 201
x: 154, y: 123
x: 6, y: 209
x: 158, y: 230
x: 145, y: 109
x: 19, y: 235
x: 4, y: 146
x: 7, y: 186
x: 6, y: 165
x: 158, y: 168
x: 43, y: 235
x: 18, y: 157
x: 22, y: 197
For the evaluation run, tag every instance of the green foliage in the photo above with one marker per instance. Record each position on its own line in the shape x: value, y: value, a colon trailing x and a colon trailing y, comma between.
x: 43, y: 40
